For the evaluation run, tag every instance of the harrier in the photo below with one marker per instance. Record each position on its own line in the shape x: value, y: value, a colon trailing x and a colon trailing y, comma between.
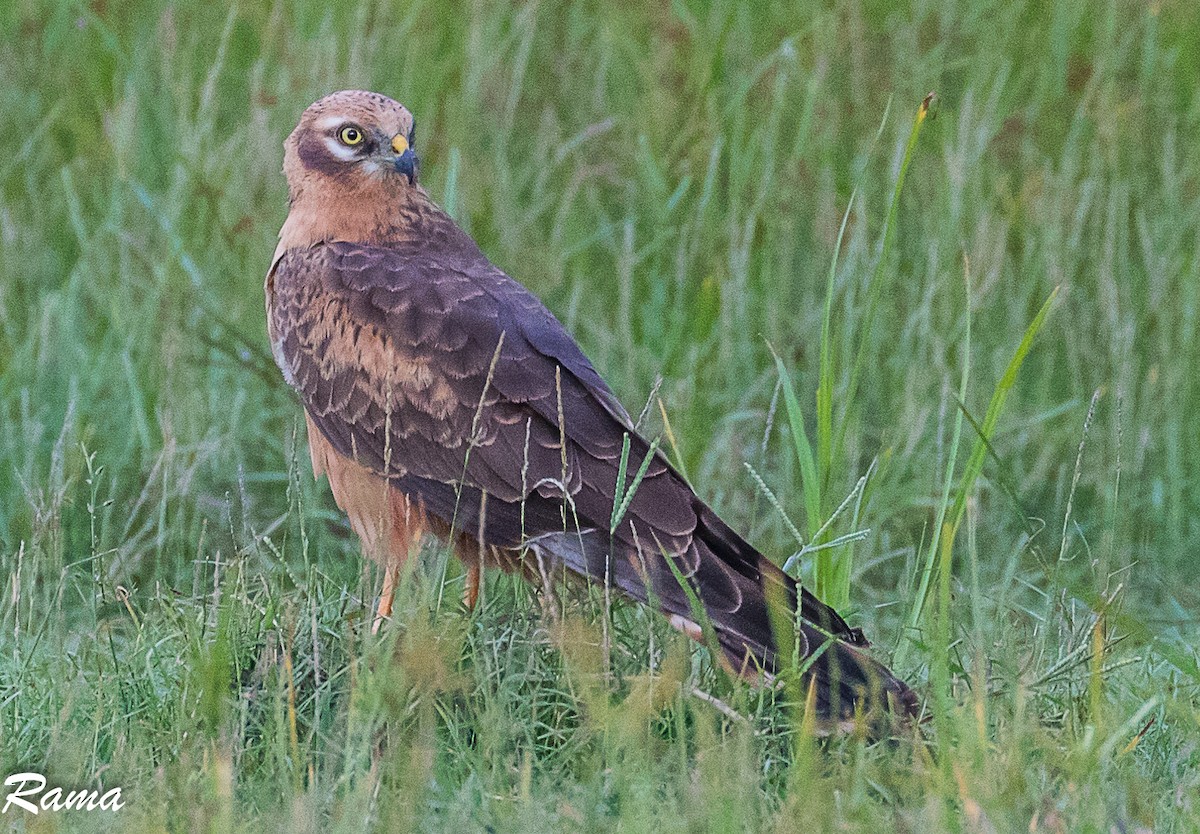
x: 443, y: 397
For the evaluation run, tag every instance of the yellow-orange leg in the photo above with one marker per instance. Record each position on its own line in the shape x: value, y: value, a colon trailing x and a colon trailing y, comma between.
x: 471, y: 591
x: 387, y: 595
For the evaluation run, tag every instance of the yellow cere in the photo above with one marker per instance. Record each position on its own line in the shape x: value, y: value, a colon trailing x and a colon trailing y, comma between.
x: 399, y: 143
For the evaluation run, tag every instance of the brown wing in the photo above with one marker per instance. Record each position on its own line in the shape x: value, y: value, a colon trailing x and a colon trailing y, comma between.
x: 433, y: 369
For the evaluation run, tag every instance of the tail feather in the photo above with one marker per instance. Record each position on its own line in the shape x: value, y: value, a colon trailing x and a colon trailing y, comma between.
x: 848, y: 684
x: 732, y: 579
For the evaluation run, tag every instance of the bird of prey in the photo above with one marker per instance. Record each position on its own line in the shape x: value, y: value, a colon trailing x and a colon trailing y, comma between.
x: 442, y: 396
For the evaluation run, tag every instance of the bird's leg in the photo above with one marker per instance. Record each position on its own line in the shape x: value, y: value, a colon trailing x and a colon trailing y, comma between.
x: 471, y: 591
x: 384, y: 612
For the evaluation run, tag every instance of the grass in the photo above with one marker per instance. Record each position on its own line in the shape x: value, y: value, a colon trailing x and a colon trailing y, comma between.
x: 185, y: 613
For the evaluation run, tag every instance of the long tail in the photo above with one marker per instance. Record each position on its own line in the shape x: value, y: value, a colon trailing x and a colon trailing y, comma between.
x: 846, y: 682
x: 738, y: 587
x: 751, y: 604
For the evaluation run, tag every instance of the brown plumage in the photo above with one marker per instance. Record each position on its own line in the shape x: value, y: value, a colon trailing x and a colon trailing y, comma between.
x: 442, y: 396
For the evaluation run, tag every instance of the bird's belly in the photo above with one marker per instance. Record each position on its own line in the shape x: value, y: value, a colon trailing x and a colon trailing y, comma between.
x: 387, y: 523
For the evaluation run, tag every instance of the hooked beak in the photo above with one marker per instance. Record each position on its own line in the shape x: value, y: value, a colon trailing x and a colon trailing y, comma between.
x: 406, y: 160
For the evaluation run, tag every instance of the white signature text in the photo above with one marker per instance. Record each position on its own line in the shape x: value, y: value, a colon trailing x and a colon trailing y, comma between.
x: 27, y: 786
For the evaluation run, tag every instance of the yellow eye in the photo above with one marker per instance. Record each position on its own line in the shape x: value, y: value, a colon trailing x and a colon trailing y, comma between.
x: 350, y: 135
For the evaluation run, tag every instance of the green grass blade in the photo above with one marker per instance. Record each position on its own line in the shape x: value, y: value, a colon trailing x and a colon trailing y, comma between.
x: 943, y: 551
x: 700, y: 616
x: 804, y: 453
x: 625, y: 496
x: 931, y: 553
x: 825, y: 381
x: 875, y: 290
x: 620, y: 489
x: 992, y: 416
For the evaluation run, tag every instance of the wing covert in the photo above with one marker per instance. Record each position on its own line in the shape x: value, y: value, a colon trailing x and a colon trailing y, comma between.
x: 440, y: 373
x: 423, y: 365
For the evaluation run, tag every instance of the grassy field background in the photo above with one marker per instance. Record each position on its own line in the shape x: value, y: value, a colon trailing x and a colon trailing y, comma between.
x: 184, y: 612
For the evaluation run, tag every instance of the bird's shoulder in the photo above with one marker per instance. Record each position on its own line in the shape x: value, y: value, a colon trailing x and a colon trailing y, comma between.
x: 436, y: 297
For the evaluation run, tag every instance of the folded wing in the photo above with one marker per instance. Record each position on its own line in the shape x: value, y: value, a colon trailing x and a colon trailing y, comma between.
x: 434, y: 370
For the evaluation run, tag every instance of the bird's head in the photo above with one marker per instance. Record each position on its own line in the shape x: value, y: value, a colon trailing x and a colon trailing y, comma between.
x: 357, y: 139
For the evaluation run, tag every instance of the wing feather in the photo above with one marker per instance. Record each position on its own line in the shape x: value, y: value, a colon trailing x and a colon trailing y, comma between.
x: 441, y: 374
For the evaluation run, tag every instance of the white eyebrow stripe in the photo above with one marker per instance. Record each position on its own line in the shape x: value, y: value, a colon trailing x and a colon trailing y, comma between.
x: 339, y: 150
x: 329, y: 122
